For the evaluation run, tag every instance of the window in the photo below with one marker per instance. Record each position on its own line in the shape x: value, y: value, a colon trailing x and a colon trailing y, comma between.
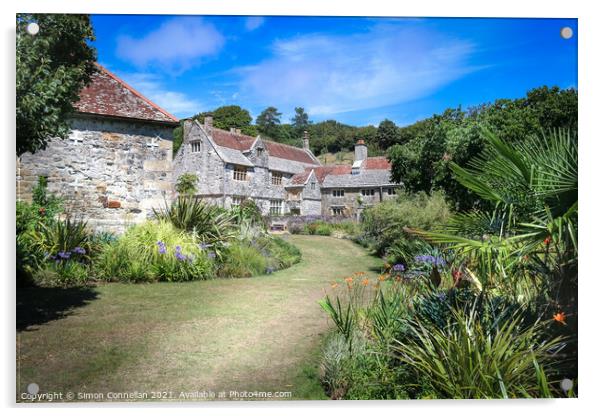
x: 259, y: 151
x: 276, y: 178
x: 294, y: 195
x: 195, y: 147
x: 337, y: 211
x: 313, y: 185
x: 275, y: 207
x: 390, y: 191
x: 240, y: 173
x: 237, y: 200
x: 338, y: 193
x: 367, y: 192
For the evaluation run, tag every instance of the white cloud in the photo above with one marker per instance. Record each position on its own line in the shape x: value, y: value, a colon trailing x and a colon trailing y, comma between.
x: 254, y: 22
x: 176, y: 45
x: 152, y: 87
x: 335, y: 74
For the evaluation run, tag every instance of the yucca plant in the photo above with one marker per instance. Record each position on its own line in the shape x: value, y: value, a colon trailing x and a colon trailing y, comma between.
x: 67, y: 236
x: 209, y: 223
x: 467, y: 359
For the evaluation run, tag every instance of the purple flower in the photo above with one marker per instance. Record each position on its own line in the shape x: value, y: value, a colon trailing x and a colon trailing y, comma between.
x: 79, y: 250
x: 269, y: 270
x: 161, y: 247
x: 211, y: 254
x: 399, y: 267
x: 432, y: 260
x: 64, y: 255
x: 180, y: 256
x: 203, y: 246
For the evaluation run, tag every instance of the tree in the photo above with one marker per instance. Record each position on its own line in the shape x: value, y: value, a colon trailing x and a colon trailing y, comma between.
x: 52, y: 68
x: 387, y: 134
x: 186, y: 184
x: 230, y: 116
x: 268, y: 121
x: 301, y: 119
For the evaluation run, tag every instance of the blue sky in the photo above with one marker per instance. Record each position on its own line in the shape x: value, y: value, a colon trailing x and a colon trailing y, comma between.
x: 355, y: 70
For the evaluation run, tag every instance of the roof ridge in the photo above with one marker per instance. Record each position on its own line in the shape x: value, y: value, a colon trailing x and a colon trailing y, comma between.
x: 135, y: 92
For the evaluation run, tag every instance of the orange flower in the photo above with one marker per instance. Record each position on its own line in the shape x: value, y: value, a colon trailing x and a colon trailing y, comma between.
x: 334, y: 285
x: 398, y: 279
x: 560, y: 317
x: 382, y: 277
x: 548, y: 240
x: 366, y: 282
x: 349, y: 280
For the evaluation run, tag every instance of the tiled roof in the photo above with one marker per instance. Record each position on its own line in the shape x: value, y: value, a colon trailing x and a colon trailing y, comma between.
x: 285, y: 151
x: 374, y: 171
x: 108, y: 95
x: 235, y: 141
x: 243, y: 142
x: 379, y: 163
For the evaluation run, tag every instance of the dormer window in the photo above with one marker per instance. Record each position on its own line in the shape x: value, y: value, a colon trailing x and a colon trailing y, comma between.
x: 259, y: 151
x: 276, y: 178
x: 195, y: 146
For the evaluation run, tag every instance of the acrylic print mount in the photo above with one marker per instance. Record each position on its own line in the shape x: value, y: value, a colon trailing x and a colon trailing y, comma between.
x: 295, y: 208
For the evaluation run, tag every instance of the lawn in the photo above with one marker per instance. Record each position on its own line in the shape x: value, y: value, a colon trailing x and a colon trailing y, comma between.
x: 255, y: 334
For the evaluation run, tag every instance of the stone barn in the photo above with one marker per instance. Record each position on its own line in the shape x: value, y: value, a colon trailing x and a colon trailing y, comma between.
x: 116, y: 164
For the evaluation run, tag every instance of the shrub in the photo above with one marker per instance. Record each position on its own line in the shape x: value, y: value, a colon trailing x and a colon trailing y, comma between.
x: 383, y: 225
x: 62, y: 274
x: 64, y: 238
x: 466, y: 359
x: 282, y: 254
x: 186, y: 184
x: 210, y: 224
x: 155, y: 251
x: 242, y: 260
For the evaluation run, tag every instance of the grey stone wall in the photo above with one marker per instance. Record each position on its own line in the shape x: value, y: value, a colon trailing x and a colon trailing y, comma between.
x: 108, y: 172
x: 350, y: 200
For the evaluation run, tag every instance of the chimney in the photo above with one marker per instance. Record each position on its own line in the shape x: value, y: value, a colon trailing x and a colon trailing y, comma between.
x: 306, y: 140
x: 209, y: 121
x: 232, y: 130
x: 361, y: 150
x: 237, y: 131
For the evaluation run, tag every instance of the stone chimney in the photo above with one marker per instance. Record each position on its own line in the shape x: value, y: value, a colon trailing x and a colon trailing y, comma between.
x: 237, y: 131
x: 306, y: 140
x: 209, y: 121
x: 232, y: 130
x: 361, y: 150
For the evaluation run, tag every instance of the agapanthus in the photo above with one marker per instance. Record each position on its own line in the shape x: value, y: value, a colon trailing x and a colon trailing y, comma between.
x: 399, y: 267
x: 211, y: 254
x: 180, y: 256
x: 162, y: 248
x: 432, y: 260
x: 64, y: 255
x: 79, y: 250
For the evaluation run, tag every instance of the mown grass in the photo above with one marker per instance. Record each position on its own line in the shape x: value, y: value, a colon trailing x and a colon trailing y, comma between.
x: 256, y: 334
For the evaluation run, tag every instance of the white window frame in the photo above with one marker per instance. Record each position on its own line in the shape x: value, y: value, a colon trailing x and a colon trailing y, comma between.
x: 277, y: 178
x: 338, y: 193
x: 239, y: 173
x: 275, y: 207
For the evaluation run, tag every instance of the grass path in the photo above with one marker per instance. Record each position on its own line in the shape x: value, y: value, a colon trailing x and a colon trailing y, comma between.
x: 258, y: 334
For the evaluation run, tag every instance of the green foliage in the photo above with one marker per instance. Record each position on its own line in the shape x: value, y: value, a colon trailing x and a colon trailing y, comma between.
x: 387, y: 134
x: 210, y: 224
x: 186, y: 184
x: 248, y: 211
x: 64, y: 237
x: 52, y: 68
x: 230, y: 116
x: 468, y: 360
x: 428, y: 148
x: 385, y: 225
x: 61, y: 274
x: 301, y: 120
x: 243, y: 260
x: 268, y: 121
x: 154, y: 251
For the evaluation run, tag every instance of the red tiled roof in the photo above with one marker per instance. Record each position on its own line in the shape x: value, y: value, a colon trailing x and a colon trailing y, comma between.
x: 108, y: 95
x: 231, y: 140
x: 301, y: 178
x: 243, y: 142
x: 323, y: 171
x: 377, y: 163
x: 285, y: 151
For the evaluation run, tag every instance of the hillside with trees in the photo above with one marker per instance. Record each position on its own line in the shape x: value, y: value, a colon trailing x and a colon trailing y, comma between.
x: 422, y: 152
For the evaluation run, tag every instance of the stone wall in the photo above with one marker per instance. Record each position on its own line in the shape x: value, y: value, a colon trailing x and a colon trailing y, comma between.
x: 350, y: 200
x: 108, y: 172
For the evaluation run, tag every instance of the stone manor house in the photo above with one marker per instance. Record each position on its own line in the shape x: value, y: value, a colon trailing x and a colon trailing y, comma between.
x: 116, y: 165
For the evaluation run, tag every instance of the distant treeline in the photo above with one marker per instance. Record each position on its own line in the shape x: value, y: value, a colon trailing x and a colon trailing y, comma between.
x: 421, y: 152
